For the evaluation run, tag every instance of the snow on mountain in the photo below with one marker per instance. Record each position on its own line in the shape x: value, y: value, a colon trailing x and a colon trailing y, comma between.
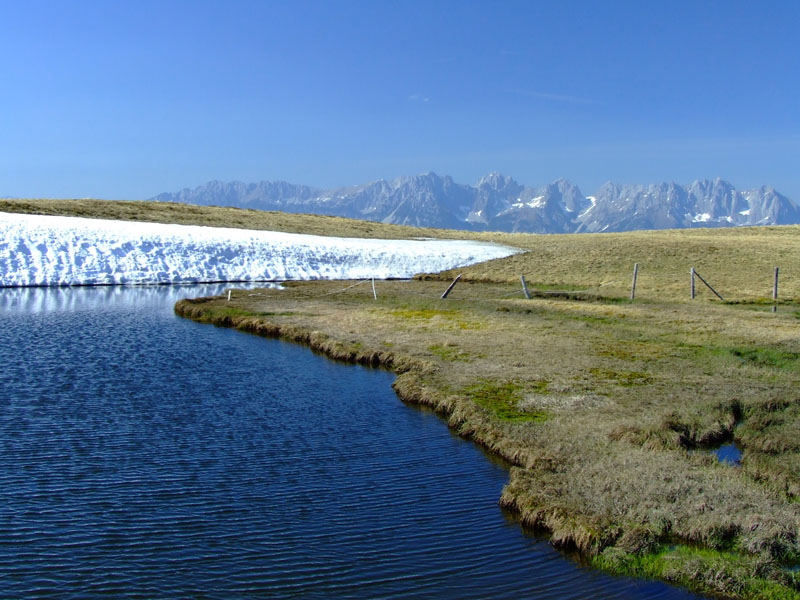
x: 494, y: 194
x: 49, y: 251
x: 499, y: 203
x: 550, y: 209
x: 704, y: 203
x: 283, y: 196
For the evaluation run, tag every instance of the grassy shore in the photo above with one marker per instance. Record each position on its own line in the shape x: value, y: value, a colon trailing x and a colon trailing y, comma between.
x: 606, y: 409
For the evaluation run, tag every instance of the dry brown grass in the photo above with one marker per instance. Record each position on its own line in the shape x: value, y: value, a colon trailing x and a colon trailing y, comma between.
x: 738, y: 263
x: 214, y: 216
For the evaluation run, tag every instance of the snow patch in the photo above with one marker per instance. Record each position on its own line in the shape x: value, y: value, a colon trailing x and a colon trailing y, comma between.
x: 701, y: 218
x: 745, y: 213
x: 593, y: 200
x: 537, y: 202
x: 51, y: 251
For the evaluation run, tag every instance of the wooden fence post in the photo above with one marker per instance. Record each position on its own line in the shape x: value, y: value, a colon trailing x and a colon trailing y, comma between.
x: 450, y: 287
x: 775, y: 291
x: 633, y: 283
x: 708, y: 285
x: 692, y: 272
x: 374, y: 293
x: 525, y: 287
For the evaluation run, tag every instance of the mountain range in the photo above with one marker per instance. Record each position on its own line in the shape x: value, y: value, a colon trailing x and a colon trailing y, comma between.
x: 498, y: 203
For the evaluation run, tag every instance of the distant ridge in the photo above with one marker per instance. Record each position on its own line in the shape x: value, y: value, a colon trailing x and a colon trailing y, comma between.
x: 498, y: 203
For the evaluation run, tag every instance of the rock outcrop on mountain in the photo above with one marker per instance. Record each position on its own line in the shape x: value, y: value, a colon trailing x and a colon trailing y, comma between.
x: 670, y: 206
x: 499, y: 203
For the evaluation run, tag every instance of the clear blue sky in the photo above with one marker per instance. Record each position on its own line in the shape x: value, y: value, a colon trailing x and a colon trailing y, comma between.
x: 126, y: 99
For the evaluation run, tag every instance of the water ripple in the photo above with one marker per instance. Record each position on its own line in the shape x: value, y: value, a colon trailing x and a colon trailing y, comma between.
x: 144, y: 456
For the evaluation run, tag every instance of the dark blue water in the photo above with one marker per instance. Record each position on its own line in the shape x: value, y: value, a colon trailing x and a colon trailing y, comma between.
x: 729, y: 454
x: 147, y: 456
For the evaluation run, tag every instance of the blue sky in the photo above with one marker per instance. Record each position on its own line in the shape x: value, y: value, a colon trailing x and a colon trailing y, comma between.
x: 117, y: 99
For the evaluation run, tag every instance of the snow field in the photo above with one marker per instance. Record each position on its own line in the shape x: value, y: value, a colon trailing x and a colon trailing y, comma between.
x: 38, y: 250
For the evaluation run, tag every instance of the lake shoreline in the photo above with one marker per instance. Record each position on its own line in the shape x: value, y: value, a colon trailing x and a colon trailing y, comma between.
x: 408, y: 370
x: 431, y: 374
x: 600, y: 403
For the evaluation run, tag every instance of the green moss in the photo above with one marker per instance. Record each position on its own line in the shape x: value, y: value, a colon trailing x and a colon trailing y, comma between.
x: 622, y: 378
x: 594, y: 319
x: 759, y: 356
x: 421, y: 314
x: 449, y: 353
x: 703, y: 570
x: 768, y: 357
x: 617, y: 352
x: 230, y: 311
x: 502, y: 400
x: 453, y: 317
x: 471, y: 325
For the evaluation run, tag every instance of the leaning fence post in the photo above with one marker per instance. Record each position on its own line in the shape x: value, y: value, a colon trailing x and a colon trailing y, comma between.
x: 633, y: 283
x: 525, y: 287
x: 450, y: 287
x: 708, y: 285
x: 374, y: 293
x: 692, y: 272
x: 229, y: 295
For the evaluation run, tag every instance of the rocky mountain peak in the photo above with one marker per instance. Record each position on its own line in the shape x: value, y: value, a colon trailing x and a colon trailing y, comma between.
x: 495, y: 180
x: 498, y: 202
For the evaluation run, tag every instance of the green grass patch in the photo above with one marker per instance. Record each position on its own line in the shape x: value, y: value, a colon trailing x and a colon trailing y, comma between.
x: 421, y: 314
x: 723, y: 573
x: 622, y: 378
x: 428, y: 314
x: 768, y: 357
x: 502, y: 400
x: 758, y: 356
x: 555, y: 287
x: 449, y: 353
x: 594, y: 319
x: 230, y: 311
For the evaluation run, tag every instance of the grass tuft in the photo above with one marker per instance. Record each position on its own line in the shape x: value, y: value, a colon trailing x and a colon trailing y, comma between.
x: 503, y: 399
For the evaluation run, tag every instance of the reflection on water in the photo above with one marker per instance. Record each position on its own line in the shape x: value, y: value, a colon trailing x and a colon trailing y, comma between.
x: 109, y: 297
